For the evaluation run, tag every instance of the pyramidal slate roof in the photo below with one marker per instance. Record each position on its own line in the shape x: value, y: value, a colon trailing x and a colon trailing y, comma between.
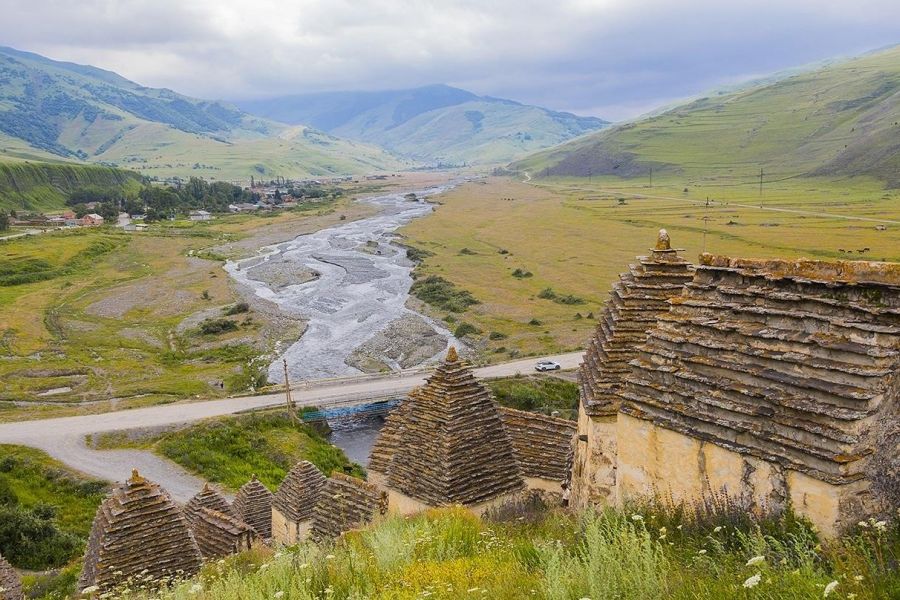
x: 10, y: 583
x: 220, y: 534
x: 253, y: 505
x: 639, y: 297
x: 299, y: 491
x: 138, y: 531
x: 451, y: 446
x: 206, y: 498
x: 345, y: 503
x: 795, y: 362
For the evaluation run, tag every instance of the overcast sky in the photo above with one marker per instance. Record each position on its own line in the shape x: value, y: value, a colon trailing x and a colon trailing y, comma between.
x: 610, y: 58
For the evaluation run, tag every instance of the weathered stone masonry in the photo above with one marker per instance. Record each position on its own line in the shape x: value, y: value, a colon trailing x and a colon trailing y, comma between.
x: 775, y: 381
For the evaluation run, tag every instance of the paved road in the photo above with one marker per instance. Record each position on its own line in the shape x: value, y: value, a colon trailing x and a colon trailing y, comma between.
x: 64, y: 438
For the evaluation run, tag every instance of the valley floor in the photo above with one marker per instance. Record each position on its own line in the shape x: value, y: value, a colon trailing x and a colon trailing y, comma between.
x: 541, y: 255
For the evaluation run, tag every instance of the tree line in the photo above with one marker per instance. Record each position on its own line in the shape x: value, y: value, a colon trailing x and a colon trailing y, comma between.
x: 160, y: 202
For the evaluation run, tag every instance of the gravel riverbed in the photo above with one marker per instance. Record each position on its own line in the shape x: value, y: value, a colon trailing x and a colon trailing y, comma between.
x: 350, y: 283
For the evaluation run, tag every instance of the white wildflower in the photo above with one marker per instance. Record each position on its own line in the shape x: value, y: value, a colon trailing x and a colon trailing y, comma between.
x: 752, y: 582
x: 858, y: 578
x: 863, y: 524
x: 637, y: 518
x: 329, y: 557
x: 717, y: 529
x: 755, y: 560
x: 702, y: 551
x: 90, y: 590
x: 829, y: 588
x: 279, y: 594
x: 881, y: 525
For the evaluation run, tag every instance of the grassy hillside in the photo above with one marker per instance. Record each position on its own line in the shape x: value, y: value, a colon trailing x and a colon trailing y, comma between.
x: 82, y: 113
x: 434, y: 124
x: 35, y: 186
x: 839, y: 120
x: 231, y: 450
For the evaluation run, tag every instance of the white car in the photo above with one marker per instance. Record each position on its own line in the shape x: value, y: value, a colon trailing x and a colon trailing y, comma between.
x: 547, y: 365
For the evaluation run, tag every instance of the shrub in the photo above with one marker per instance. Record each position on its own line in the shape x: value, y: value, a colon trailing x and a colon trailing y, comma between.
x: 535, y: 322
x: 467, y: 252
x: 496, y: 335
x: 521, y: 274
x: 549, y: 294
x: 217, y: 326
x: 464, y: 329
x: 439, y: 292
x: 30, y: 538
x: 236, y: 309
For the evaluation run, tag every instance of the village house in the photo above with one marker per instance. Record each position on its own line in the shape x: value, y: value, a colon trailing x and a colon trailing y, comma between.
x: 91, y: 220
x: 200, y: 215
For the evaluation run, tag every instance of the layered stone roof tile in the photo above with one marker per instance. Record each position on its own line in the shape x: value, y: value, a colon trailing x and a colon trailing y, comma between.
x: 297, y: 495
x: 206, y: 498
x: 253, y: 505
x: 794, y: 362
x: 451, y: 445
x: 345, y: 503
x: 635, y: 302
x: 220, y: 534
x: 138, y: 532
x: 543, y: 445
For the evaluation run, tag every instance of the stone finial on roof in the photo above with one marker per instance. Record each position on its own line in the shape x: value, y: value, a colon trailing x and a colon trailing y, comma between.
x: 298, y: 494
x: 253, y: 505
x: 452, y: 356
x: 10, y: 583
x: 662, y: 241
x: 138, y: 530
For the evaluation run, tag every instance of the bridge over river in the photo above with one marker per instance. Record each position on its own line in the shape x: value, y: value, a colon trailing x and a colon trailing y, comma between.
x: 64, y: 438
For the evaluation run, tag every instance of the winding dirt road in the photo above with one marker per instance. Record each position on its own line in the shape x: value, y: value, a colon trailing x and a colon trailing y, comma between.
x: 64, y: 438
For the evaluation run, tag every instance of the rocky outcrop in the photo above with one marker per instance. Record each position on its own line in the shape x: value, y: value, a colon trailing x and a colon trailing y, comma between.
x: 138, y: 532
x: 451, y: 446
x: 253, y: 505
x: 345, y: 503
x: 298, y: 494
x: 220, y: 534
x: 10, y: 583
x: 542, y: 445
x: 206, y: 498
x: 639, y: 297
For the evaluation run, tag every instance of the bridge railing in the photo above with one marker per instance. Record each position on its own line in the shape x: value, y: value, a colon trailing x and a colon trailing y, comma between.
x: 299, y: 384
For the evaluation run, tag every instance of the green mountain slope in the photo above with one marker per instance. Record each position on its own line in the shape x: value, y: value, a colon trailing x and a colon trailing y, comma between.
x: 81, y: 113
x: 435, y: 124
x: 37, y: 186
x: 840, y: 120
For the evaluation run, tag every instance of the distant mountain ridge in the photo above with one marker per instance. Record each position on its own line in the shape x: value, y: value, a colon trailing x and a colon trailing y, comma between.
x: 435, y: 123
x: 837, y: 119
x: 79, y: 112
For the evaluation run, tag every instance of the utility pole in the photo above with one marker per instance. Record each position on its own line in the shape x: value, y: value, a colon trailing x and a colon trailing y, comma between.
x: 760, y: 181
x: 292, y: 408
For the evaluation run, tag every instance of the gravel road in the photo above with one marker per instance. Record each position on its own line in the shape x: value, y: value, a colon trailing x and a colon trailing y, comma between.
x: 64, y: 438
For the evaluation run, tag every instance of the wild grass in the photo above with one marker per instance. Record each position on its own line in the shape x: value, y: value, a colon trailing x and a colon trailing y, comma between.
x: 544, y: 394
x: 46, y: 509
x: 231, y: 450
x: 450, y: 554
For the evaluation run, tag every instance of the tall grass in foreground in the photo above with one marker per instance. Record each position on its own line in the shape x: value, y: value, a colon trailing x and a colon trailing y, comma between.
x: 639, y: 554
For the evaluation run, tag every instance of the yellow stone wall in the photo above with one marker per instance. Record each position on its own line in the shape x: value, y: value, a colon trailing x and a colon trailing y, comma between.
x: 287, y: 532
x: 653, y: 460
x: 594, y: 468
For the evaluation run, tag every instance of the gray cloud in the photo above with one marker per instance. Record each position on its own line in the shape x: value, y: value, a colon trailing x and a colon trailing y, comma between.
x: 613, y: 58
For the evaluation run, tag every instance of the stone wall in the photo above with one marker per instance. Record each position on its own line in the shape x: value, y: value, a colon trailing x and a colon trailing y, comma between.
x: 10, y: 583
